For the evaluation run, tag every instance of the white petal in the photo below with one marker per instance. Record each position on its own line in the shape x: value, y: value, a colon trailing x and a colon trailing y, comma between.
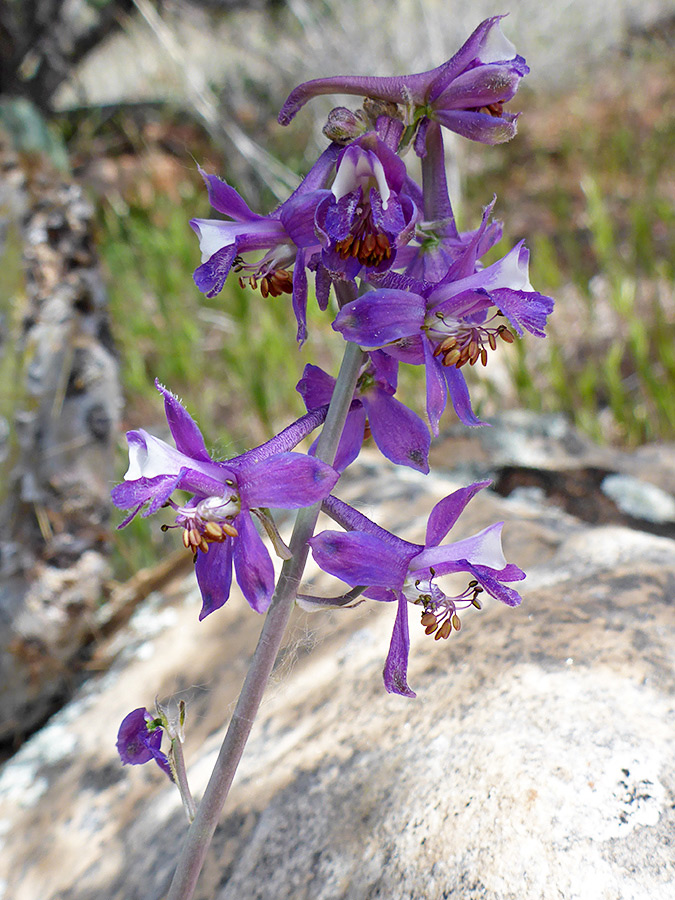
x: 150, y: 456
x: 509, y: 272
x: 345, y: 178
x: 496, y: 47
x: 483, y: 549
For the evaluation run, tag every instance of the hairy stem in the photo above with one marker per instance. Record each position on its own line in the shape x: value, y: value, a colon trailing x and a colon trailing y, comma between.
x: 209, y: 810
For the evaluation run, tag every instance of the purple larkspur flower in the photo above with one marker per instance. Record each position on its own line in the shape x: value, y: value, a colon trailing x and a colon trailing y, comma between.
x: 399, y: 433
x: 287, y: 234
x: 449, y: 324
x: 216, y: 521
x: 366, y: 216
x: 394, y: 570
x: 139, y: 740
x: 466, y: 94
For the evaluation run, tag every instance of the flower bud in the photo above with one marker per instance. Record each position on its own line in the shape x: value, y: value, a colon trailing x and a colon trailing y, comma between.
x: 344, y: 126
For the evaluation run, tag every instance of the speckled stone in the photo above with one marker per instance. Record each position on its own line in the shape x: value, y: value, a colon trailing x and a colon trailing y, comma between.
x: 536, y: 762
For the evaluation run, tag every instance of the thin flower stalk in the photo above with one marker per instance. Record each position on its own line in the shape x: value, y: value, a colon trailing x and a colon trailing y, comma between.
x: 210, y: 808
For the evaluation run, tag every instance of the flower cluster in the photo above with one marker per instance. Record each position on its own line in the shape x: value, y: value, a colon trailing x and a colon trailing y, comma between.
x: 402, y: 283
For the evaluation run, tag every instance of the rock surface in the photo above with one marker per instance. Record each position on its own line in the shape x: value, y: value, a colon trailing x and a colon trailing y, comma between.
x: 536, y: 762
x: 61, y: 404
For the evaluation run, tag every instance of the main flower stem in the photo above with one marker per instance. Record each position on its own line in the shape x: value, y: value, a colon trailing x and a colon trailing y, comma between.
x: 209, y: 810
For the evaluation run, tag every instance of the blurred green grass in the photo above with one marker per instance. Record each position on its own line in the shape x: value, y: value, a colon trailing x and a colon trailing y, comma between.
x: 589, y: 182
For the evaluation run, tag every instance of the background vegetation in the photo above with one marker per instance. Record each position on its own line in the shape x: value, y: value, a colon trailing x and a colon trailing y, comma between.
x: 589, y: 182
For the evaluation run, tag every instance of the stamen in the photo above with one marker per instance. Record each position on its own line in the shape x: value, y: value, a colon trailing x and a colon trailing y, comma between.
x: 364, y: 242
x: 466, y: 342
x: 495, y: 109
x: 440, y: 612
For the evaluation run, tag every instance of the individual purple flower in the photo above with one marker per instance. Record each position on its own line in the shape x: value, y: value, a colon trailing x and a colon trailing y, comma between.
x: 466, y: 94
x: 216, y: 520
x: 393, y: 570
x: 399, y: 433
x: 366, y: 216
x: 447, y: 325
x: 139, y: 740
x: 287, y: 235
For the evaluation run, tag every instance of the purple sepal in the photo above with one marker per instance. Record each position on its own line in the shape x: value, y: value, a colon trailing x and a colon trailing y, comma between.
x: 380, y: 316
x: 389, y: 131
x: 297, y: 216
x: 459, y: 395
x: 184, y: 430
x: 214, y: 576
x: 446, y: 512
x: 315, y: 387
x: 224, y: 199
x: 399, y: 433
x: 385, y: 368
x: 300, y: 297
x: 437, y: 390
x: 351, y: 439
x: 478, y: 126
x: 396, y: 666
x: 252, y: 563
x: 286, y: 481
x: 360, y: 558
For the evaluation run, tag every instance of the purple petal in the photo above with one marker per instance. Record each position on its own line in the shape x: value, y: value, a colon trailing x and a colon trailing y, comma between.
x: 459, y: 395
x: 187, y: 436
x: 214, y: 576
x: 210, y: 277
x: 359, y: 558
x: 437, y: 204
x: 494, y: 587
x: 252, y: 563
x: 399, y: 433
x: 288, y: 438
x: 524, y: 309
x: 133, y: 738
x: 226, y: 200
x: 380, y: 317
x: 286, y: 481
x: 322, y: 285
x: 390, y: 220
x: 396, y: 666
x: 446, y: 512
x: 161, y: 496
x: 129, y: 494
